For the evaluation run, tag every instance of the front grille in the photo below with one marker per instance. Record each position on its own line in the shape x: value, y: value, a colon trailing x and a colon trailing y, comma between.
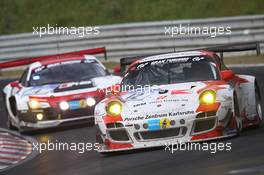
x: 114, y: 125
x: 118, y: 135
x: 77, y: 113
x: 159, y: 134
x: 204, y: 125
x: 206, y: 114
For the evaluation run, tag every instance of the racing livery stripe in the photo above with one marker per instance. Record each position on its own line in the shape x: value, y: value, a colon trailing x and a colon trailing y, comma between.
x: 108, y: 119
x: 112, y: 145
x: 207, y: 108
x: 212, y: 85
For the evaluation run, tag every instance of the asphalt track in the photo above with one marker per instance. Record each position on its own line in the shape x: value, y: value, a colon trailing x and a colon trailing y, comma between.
x: 246, y: 156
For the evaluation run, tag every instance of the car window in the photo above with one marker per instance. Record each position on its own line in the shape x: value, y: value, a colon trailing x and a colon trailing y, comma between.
x: 170, y: 73
x: 63, y: 73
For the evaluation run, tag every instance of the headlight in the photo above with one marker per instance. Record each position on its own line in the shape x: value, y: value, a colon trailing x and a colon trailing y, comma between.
x: 64, y: 105
x: 90, y: 101
x: 114, y: 108
x: 34, y: 104
x: 208, y: 97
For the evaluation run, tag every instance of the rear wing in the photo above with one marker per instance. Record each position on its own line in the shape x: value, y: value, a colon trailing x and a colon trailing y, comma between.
x: 27, y: 61
x: 239, y: 47
x: 221, y: 49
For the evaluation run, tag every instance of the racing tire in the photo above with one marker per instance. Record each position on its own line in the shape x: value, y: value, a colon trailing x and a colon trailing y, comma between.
x: 9, y: 123
x: 258, y: 104
x: 238, y: 119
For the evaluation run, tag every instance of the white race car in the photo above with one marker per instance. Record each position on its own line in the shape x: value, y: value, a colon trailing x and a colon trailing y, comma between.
x: 176, y: 97
x: 57, y: 91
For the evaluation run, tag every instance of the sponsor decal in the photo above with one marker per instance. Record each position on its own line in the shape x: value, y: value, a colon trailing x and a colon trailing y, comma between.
x: 150, y: 116
x: 164, y: 123
x: 74, y: 104
x: 154, y: 124
x: 197, y: 58
x: 36, y: 77
x: 163, y: 61
x: 83, y: 104
x: 181, y: 113
x: 72, y: 84
x: 134, y: 118
x: 184, y: 91
x: 155, y: 116
x: 161, y: 97
x: 140, y: 104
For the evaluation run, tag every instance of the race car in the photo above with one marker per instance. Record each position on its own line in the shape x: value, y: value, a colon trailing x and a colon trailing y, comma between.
x: 56, y: 91
x: 173, y: 98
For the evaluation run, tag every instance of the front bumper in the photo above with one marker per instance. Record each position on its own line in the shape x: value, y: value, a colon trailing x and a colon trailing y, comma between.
x: 122, y: 136
x: 52, y: 117
x: 27, y: 126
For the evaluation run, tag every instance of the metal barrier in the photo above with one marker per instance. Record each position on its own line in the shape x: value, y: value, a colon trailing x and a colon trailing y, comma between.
x: 131, y: 39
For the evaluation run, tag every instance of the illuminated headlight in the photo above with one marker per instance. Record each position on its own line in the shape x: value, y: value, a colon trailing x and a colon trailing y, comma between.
x: 208, y: 97
x: 64, y: 105
x: 40, y: 116
x: 114, y: 108
x: 90, y: 101
x: 34, y: 104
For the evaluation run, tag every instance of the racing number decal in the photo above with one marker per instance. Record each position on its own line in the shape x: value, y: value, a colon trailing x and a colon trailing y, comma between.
x: 164, y: 123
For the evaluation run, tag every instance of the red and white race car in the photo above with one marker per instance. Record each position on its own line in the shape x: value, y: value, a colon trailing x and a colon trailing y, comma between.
x: 176, y: 97
x: 57, y: 91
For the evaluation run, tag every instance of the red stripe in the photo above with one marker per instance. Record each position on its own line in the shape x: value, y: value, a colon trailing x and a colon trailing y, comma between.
x: 19, y: 149
x: 207, y: 108
x: 13, y: 153
x: 9, y: 136
x: 112, y: 145
x: 13, y: 140
x: 10, y: 144
x: 108, y: 119
x: 10, y: 158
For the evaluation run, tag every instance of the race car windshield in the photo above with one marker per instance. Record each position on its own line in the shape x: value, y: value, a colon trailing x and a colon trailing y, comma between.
x: 63, y: 73
x: 162, y: 73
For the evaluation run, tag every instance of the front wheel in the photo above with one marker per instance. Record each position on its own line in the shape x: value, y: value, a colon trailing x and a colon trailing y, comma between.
x: 10, y: 125
x: 258, y: 104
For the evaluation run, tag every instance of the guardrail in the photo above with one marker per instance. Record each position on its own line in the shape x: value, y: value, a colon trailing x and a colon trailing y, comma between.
x: 131, y: 39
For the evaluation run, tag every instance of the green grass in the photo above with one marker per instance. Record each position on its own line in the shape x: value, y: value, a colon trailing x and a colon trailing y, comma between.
x: 18, y: 16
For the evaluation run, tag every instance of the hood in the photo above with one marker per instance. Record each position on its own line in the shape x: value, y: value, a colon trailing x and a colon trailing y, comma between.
x: 181, y: 98
x: 71, y: 88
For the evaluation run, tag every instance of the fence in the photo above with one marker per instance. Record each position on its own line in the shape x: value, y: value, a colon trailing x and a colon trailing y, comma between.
x: 134, y: 38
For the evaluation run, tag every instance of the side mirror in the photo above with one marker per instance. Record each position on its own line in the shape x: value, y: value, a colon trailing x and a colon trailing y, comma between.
x: 117, y: 70
x: 227, y: 75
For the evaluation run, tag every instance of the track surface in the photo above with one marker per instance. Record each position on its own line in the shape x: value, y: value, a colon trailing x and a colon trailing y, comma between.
x: 246, y: 156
